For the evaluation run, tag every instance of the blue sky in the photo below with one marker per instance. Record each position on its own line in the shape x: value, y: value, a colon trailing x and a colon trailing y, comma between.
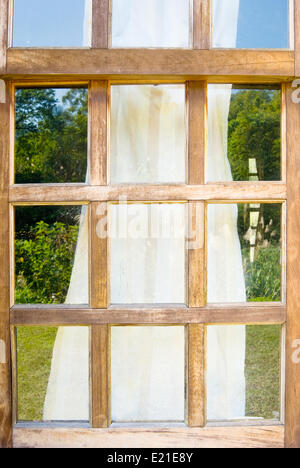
x: 59, y: 23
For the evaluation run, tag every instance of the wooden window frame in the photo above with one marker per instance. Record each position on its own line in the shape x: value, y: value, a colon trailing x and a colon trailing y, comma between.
x: 99, y: 66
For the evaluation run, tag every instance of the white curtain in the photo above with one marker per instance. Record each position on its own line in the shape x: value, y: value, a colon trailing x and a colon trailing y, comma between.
x: 151, y: 23
x: 226, y: 344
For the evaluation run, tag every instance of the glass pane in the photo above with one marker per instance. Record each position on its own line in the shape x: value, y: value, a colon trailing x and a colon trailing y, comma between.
x: 244, y: 133
x: 51, y: 135
x: 243, y: 372
x: 244, y: 253
x: 51, y: 255
x: 147, y: 253
x: 251, y: 24
x: 52, y: 24
x: 53, y: 373
x: 148, y: 134
x: 147, y: 374
x: 159, y: 23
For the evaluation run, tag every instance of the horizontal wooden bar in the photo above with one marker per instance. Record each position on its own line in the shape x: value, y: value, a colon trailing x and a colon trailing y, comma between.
x: 181, y: 437
x: 248, y: 191
x: 72, y: 315
x: 150, y: 62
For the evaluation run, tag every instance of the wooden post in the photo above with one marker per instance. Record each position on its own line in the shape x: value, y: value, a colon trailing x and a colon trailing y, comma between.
x: 197, y: 131
x: 4, y: 15
x: 101, y: 24
x: 5, y: 370
x: 297, y: 36
x: 292, y: 431
x: 202, y: 24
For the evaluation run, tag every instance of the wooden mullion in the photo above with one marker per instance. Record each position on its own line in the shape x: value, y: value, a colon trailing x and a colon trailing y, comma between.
x: 101, y: 24
x: 196, y: 395
x: 197, y: 109
x: 202, y: 24
x: 4, y: 25
x: 196, y: 254
x: 98, y: 134
x: 99, y: 290
x: 5, y: 360
x: 292, y: 433
x: 100, y: 388
x: 297, y: 36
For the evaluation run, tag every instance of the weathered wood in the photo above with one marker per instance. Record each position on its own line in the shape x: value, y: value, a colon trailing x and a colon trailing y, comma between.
x: 196, y: 376
x: 98, y: 256
x: 297, y: 36
x: 150, y: 62
x: 230, y: 191
x: 4, y: 21
x: 98, y: 111
x: 100, y: 24
x: 231, y: 313
x: 197, y: 131
x: 5, y: 369
x: 234, y: 437
x: 292, y: 437
x: 202, y: 24
x: 100, y: 412
x: 196, y: 253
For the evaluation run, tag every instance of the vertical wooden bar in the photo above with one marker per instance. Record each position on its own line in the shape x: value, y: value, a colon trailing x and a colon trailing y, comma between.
x: 297, y: 36
x: 196, y: 416
x: 197, y: 111
x: 202, y: 24
x: 292, y: 430
x: 5, y: 370
x: 98, y: 132
x: 99, y: 256
x: 100, y: 24
x: 4, y: 22
x: 100, y: 376
x: 196, y: 254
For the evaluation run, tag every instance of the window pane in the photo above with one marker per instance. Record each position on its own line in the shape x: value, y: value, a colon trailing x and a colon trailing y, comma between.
x: 244, y: 253
x: 53, y: 373
x: 244, y: 133
x: 147, y: 374
x: 159, y: 23
x: 51, y: 255
x: 251, y: 24
x: 243, y: 372
x: 148, y: 134
x: 51, y: 135
x: 147, y: 253
x: 52, y: 24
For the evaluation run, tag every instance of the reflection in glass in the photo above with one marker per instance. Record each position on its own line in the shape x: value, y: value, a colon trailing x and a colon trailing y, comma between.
x: 147, y: 374
x: 257, y: 24
x: 155, y: 23
x: 51, y: 135
x: 148, y: 135
x: 251, y: 133
x: 243, y: 372
x: 52, y: 24
x: 53, y: 373
x: 46, y: 239
x: 147, y: 253
x: 244, y: 252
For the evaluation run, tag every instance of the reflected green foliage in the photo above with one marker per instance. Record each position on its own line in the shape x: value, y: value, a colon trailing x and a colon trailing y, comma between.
x: 51, y: 136
x: 254, y: 128
x: 44, y: 263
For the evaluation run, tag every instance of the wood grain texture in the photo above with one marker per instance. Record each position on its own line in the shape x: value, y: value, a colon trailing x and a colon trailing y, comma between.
x: 98, y: 125
x: 4, y: 14
x: 231, y: 313
x: 202, y: 24
x: 292, y: 438
x: 5, y: 369
x: 230, y: 191
x: 98, y: 256
x: 237, y: 437
x: 150, y: 62
x: 196, y: 376
x: 197, y: 109
x: 297, y: 36
x: 100, y: 411
x: 100, y: 24
x: 196, y: 255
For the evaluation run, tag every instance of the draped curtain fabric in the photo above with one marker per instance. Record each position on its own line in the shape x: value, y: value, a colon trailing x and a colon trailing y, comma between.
x: 134, y: 390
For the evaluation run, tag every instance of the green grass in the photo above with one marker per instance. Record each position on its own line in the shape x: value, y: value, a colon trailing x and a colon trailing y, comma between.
x: 35, y: 346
